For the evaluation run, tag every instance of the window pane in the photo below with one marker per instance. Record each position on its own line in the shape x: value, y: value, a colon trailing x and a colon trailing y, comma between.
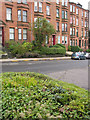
x: 19, y: 15
x: 62, y: 14
x: 58, y: 39
x: 65, y: 39
x: 40, y: 7
x: 11, y: 33
x: 19, y: 1
x: 62, y: 26
x: 24, y: 16
x: 8, y: 13
x: 48, y: 11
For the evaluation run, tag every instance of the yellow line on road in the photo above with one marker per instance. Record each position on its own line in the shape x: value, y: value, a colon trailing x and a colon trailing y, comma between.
x: 14, y: 60
x: 51, y: 59
x: 36, y: 60
x: 25, y: 60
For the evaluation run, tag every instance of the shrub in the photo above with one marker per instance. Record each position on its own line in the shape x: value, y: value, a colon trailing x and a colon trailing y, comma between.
x: 69, y: 48
x: 76, y: 49
x: 32, y: 96
x: 52, y: 51
x: 88, y: 50
x: 28, y: 46
x: 61, y: 45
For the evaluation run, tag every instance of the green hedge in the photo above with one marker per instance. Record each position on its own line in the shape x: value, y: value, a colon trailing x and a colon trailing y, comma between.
x: 76, y: 49
x: 88, y: 50
x: 52, y: 51
x: 58, y: 46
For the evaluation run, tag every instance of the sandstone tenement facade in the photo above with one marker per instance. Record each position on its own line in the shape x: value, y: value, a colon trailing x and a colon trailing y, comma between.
x: 70, y: 20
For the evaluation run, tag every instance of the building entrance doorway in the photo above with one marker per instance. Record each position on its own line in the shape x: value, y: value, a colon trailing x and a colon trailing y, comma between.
x: 79, y: 43
x: 53, y: 39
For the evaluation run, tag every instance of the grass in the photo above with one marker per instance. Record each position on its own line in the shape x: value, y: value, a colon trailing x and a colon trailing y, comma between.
x: 28, y: 95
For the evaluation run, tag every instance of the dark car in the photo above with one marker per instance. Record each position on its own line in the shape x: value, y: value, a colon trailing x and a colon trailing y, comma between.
x: 78, y: 56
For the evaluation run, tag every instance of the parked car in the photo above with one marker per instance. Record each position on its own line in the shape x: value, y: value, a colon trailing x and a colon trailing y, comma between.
x: 78, y: 56
x: 87, y: 55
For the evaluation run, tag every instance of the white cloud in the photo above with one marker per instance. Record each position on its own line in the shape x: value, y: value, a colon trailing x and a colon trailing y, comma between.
x: 83, y: 2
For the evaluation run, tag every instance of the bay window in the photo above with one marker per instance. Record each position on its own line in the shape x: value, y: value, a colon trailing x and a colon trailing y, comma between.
x: 24, y: 16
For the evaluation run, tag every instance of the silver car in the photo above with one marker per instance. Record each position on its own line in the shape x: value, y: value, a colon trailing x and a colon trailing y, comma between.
x: 78, y: 56
x: 87, y: 55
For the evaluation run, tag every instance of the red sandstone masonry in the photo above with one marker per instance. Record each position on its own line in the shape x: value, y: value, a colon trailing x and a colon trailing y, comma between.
x: 52, y: 18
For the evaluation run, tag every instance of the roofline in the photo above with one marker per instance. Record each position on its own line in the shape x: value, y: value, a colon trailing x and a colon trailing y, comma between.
x: 78, y: 6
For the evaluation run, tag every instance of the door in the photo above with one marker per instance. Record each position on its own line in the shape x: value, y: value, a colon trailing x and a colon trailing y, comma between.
x: 79, y: 43
x: 53, y: 39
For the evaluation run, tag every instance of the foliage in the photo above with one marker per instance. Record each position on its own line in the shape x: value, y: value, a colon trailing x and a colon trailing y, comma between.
x: 69, y: 48
x: 41, y: 29
x: 76, y: 49
x: 88, y: 50
x: 17, y: 49
x: 28, y: 46
x: 53, y: 51
x: 28, y: 95
x: 61, y: 45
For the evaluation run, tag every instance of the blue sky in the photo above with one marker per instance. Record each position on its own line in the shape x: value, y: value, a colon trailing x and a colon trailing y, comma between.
x: 83, y: 2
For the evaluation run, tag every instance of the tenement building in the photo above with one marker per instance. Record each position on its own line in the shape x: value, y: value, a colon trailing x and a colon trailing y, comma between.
x: 69, y: 19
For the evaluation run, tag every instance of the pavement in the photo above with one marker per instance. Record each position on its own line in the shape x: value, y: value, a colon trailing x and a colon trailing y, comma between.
x: 34, y: 59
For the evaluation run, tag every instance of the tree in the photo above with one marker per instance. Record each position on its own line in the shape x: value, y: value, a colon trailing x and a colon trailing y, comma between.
x: 41, y: 29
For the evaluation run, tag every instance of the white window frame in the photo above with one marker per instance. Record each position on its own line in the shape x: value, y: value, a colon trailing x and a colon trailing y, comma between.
x: 71, y: 31
x: 35, y: 6
x: 70, y: 8
x: 57, y: 26
x: 35, y: 19
x: 24, y: 33
x: 24, y: 16
x: 59, y: 39
x: 62, y: 2
x: 19, y: 15
x: 77, y: 22
x: 57, y: 1
x: 71, y: 19
x: 66, y: 39
x: 11, y: 33
x: 62, y: 39
x: 65, y: 27
x: 19, y: 34
x: 8, y: 13
x: 73, y: 8
x: 57, y: 15
x: 66, y: 2
x: 40, y: 6
x: 62, y: 27
x: 48, y: 10
x: 77, y: 11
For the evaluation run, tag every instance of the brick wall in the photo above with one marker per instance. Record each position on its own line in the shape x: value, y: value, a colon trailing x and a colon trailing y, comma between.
x: 31, y: 14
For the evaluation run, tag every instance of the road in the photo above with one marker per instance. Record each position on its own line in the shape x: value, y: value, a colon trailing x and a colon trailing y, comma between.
x: 71, y: 71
